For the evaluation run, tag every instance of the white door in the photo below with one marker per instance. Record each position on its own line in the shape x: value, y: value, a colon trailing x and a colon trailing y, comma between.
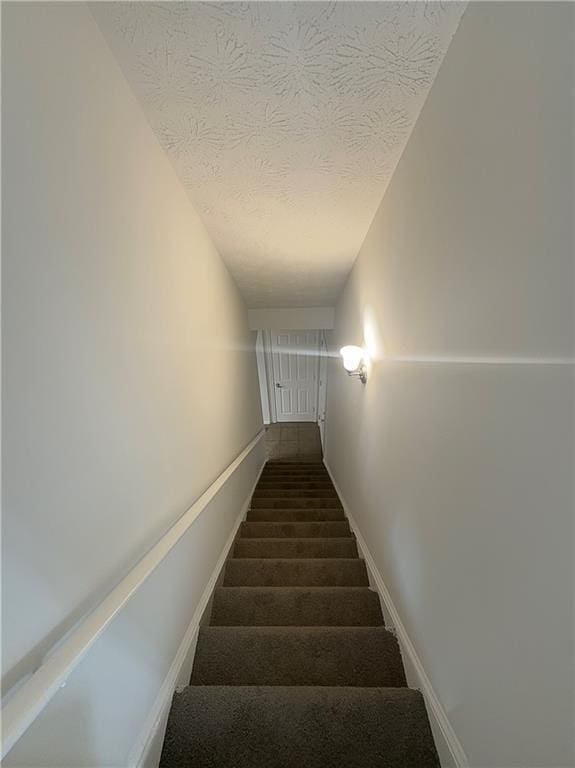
x: 295, y: 362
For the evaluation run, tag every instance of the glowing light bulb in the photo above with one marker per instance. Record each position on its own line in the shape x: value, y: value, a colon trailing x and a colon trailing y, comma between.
x: 352, y: 357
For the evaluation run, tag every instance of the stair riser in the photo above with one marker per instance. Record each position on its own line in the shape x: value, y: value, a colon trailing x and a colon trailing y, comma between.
x: 303, y: 493
x: 293, y: 469
x: 300, y: 548
x: 350, y: 607
x: 244, y: 572
x: 361, y: 656
x: 273, y: 485
x: 295, y: 530
x: 294, y: 515
x: 279, y: 464
x: 296, y: 503
x: 295, y: 478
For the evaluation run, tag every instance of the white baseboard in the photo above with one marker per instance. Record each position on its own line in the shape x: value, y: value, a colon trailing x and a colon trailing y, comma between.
x: 449, y: 747
x: 148, y: 746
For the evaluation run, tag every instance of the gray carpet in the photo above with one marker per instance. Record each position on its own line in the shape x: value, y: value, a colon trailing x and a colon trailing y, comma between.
x: 295, y: 515
x: 322, y: 530
x: 295, y: 573
x: 279, y: 469
x: 293, y: 442
x: 296, y: 606
x: 297, y: 493
x: 310, y: 547
x: 358, y: 656
x: 298, y: 727
x: 306, y: 484
x: 296, y: 668
x: 281, y: 502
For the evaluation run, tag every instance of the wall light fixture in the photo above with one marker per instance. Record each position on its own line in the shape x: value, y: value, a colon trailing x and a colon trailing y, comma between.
x: 354, y: 362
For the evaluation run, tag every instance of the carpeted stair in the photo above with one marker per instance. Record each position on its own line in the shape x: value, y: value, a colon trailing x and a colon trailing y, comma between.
x: 296, y: 668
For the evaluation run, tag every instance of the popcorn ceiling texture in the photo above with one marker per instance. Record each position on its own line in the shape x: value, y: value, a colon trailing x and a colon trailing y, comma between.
x: 284, y: 122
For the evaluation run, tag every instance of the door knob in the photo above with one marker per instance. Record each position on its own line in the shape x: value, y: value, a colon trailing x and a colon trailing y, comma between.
x: 278, y: 385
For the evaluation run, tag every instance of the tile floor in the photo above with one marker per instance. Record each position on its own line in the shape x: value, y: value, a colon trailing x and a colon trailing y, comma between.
x: 293, y: 441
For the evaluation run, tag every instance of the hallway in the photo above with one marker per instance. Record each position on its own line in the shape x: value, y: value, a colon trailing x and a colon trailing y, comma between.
x: 288, y: 378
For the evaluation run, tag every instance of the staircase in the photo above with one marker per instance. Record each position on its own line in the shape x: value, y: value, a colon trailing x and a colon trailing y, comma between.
x: 296, y: 668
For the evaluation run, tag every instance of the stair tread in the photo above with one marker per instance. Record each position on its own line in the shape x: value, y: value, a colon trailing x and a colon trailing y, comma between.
x: 358, y: 656
x: 286, y: 475
x: 296, y: 606
x: 307, y: 539
x: 313, y: 529
x: 279, y: 514
x: 291, y: 487
x: 308, y: 466
x: 299, y: 471
x: 297, y: 548
x: 312, y: 493
x: 335, y: 572
x: 295, y: 503
x: 295, y: 472
x: 285, y: 726
x: 300, y: 547
x: 274, y: 465
x: 291, y: 478
x: 281, y: 487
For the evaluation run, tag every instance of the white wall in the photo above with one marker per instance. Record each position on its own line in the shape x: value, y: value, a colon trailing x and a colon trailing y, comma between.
x: 129, y: 384
x: 457, y: 456
x: 291, y: 319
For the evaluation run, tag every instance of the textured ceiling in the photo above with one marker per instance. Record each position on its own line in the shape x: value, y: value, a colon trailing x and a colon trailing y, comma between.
x: 284, y: 121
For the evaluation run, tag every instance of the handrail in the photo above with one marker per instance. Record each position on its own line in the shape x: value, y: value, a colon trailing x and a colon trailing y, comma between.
x: 32, y: 697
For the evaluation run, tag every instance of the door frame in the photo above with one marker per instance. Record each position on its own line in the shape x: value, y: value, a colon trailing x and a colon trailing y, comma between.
x: 267, y: 342
x: 322, y: 386
x: 270, y: 379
